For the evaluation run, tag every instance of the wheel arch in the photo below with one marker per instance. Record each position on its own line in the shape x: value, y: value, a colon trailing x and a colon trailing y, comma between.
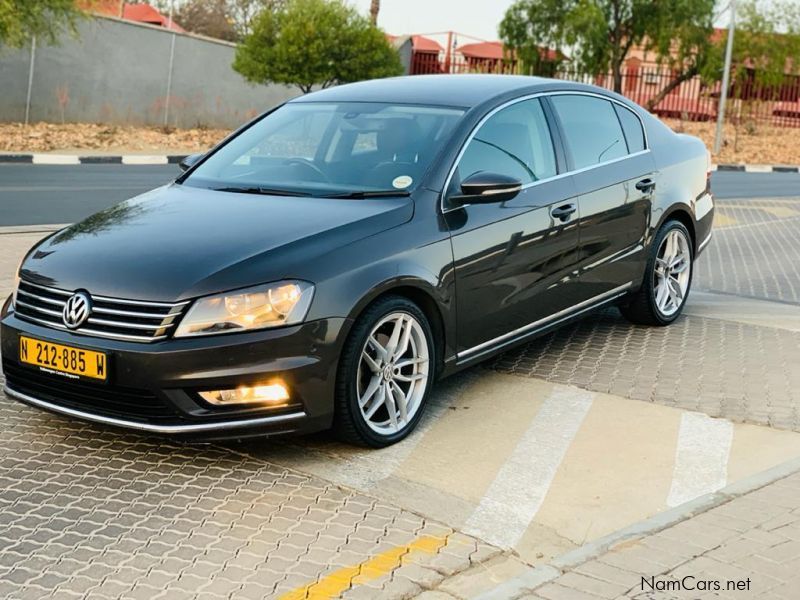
x: 425, y: 296
x: 681, y: 213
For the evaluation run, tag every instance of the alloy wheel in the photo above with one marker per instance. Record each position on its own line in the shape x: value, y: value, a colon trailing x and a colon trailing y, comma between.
x: 392, y: 373
x: 673, y: 271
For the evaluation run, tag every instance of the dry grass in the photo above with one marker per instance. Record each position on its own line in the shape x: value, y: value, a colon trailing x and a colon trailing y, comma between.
x: 48, y: 137
x: 759, y: 144
x: 752, y: 144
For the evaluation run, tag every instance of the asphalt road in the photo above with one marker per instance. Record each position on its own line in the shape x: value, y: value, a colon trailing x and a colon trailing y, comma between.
x: 45, y: 194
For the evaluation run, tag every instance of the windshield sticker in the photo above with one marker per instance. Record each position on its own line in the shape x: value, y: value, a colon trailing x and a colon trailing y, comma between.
x: 402, y: 182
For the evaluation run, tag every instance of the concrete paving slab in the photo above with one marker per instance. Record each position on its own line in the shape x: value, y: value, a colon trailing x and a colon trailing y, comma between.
x: 622, y: 465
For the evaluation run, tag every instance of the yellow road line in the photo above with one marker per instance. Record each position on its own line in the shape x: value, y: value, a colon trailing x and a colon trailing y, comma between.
x: 722, y: 220
x: 333, y: 584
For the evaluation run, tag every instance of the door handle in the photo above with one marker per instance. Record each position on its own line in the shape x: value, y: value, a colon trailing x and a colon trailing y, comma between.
x: 563, y: 212
x: 646, y: 185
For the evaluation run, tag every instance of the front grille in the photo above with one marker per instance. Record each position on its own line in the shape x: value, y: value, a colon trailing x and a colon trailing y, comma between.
x: 105, y: 400
x: 131, y: 320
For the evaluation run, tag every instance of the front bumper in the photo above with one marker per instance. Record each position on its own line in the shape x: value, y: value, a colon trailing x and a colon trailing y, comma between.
x: 153, y: 387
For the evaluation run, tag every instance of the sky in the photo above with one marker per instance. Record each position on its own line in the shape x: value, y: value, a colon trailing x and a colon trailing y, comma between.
x: 478, y: 18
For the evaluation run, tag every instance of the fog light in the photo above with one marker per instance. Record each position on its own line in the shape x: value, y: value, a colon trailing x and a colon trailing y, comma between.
x: 273, y: 394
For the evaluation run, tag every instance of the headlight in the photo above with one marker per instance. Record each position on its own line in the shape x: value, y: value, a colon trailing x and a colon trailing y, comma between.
x: 260, y: 307
x: 16, y: 283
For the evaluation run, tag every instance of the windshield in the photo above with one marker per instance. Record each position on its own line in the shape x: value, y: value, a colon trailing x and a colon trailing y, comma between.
x: 331, y: 149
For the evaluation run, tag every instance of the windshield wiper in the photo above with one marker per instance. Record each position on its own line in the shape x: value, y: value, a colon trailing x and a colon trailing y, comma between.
x: 370, y: 194
x: 264, y: 191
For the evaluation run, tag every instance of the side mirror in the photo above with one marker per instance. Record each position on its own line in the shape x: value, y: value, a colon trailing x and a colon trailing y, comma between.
x: 484, y: 187
x: 187, y: 162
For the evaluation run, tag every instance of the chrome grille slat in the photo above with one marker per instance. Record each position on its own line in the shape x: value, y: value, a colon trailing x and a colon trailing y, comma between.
x: 139, y: 302
x: 48, y: 289
x: 128, y: 313
x: 114, y: 318
x: 123, y: 325
x: 46, y: 311
x: 59, y: 303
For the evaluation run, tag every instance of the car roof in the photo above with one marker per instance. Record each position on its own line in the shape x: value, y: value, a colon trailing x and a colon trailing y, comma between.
x: 439, y: 90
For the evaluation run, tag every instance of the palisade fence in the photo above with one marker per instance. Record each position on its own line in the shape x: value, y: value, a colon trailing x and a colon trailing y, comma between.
x: 748, y: 99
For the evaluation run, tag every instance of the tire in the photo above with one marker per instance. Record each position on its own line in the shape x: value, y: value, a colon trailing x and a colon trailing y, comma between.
x: 649, y: 306
x: 371, y: 371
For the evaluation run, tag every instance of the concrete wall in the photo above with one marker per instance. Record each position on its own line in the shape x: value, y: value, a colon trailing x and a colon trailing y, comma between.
x: 117, y: 72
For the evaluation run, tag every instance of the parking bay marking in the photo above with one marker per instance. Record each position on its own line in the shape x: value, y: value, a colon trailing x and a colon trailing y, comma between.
x: 701, y: 457
x: 333, y: 584
x: 521, y: 485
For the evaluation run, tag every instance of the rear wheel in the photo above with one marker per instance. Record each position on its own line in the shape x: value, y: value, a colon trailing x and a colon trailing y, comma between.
x: 668, y: 278
x: 385, y: 374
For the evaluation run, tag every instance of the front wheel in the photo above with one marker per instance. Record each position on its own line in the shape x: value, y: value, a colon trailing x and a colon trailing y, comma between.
x: 668, y: 278
x: 385, y: 374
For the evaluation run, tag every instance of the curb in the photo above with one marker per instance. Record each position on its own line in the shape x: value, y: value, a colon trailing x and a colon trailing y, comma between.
x: 757, y: 168
x: 101, y: 159
x: 539, y: 575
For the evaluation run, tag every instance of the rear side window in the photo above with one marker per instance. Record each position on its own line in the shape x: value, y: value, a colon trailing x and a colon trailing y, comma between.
x: 632, y: 127
x: 592, y: 130
x: 515, y: 142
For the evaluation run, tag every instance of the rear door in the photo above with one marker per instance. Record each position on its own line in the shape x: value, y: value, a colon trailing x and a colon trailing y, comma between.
x: 614, y: 176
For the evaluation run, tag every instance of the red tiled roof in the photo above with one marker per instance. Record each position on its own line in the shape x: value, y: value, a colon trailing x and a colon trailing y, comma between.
x: 422, y: 44
x: 144, y: 13
x: 141, y: 13
x: 494, y: 51
x: 482, y: 50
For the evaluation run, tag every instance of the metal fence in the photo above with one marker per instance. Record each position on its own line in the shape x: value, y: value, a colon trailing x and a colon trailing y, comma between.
x: 748, y: 98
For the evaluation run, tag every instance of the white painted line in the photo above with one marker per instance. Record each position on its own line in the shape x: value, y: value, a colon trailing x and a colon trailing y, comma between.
x: 140, y: 159
x: 521, y: 485
x: 701, y: 458
x: 55, y: 159
x: 758, y: 168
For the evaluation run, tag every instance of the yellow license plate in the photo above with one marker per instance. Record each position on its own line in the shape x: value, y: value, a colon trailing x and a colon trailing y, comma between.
x: 62, y: 360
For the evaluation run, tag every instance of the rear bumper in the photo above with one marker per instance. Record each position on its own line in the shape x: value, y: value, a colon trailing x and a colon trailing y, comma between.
x: 153, y: 387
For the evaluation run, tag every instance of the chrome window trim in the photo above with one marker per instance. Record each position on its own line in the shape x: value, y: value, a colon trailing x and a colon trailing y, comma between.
x: 188, y: 428
x: 526, y: 186
x: 531, y: 328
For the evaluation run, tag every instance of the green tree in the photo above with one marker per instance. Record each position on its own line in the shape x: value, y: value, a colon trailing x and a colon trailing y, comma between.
x: 20, y: 20
x: 599, y: 34
x: 207, y: 17
x: 308, y: 43
x: 766, y: 45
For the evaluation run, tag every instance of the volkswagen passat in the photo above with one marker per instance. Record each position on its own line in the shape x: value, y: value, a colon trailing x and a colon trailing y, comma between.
x: 326, y: 263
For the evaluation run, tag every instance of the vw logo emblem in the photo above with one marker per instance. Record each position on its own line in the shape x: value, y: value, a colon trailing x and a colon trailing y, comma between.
x: 77, y: 310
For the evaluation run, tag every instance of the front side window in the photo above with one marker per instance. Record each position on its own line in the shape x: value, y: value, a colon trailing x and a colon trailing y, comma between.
x: 592, y: 130
x: 315, y: 148
x: 515, y: 142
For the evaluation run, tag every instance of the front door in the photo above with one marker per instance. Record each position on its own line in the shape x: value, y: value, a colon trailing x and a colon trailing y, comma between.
x: 512, y: 258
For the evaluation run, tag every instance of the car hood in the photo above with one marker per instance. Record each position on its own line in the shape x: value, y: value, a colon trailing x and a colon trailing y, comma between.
x: 180, y: 242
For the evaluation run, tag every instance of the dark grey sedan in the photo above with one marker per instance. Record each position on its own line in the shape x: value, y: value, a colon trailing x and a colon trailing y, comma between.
x: 329, y: 261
